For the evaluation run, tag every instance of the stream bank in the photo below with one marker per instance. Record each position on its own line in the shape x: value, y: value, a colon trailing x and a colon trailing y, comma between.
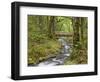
x: 58, y: 59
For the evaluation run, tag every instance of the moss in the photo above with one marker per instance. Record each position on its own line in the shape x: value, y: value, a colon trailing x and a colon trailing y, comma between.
x: 78, y: 56
x: 43, y: 51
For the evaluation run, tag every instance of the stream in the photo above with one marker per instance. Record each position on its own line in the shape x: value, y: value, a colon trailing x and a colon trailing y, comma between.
x: 60, y: 58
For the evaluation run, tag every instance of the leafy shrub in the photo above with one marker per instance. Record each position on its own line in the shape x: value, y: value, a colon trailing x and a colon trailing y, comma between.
x: 43, y: 51
x: 37, y: 37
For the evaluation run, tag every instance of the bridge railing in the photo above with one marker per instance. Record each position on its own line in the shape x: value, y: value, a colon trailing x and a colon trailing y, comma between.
x: 64, y: 34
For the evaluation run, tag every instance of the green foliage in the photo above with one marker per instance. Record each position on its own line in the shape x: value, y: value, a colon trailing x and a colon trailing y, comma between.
x: 37, y: 37
x: 79, y: 50
x: 78, y: 56
x: 43, y: 51
x: 64, y: 24
x: 43, y: 44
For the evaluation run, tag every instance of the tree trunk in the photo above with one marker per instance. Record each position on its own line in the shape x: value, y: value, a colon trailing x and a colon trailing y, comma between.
x: 76, y: 26
x: 82, y: 28
x: 51, y: 27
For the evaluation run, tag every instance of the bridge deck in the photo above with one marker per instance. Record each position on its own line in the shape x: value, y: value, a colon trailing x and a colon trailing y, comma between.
x: 64, y: 34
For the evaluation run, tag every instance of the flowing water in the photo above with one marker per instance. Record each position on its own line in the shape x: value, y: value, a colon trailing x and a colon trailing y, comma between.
x: 60, y: 58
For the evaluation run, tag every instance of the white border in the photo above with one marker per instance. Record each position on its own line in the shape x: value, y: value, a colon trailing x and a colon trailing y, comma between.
x: 24, y: 70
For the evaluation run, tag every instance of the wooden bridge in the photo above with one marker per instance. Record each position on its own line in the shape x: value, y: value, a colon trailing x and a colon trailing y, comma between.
x: 65, y: 34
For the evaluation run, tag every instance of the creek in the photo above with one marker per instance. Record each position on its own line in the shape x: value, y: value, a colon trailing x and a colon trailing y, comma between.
x: 60, y: 58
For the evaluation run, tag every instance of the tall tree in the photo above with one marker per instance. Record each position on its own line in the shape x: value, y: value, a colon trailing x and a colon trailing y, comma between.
x: 51, y: 26
x: 83, y: 30
x: 40, y: 23
x: 76, y: 26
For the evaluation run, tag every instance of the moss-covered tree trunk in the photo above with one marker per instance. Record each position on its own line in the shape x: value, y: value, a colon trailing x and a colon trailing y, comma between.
x: 83, y: 33
x: 82, y: 26
x: 51, y: 29
x: 76, y: 26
